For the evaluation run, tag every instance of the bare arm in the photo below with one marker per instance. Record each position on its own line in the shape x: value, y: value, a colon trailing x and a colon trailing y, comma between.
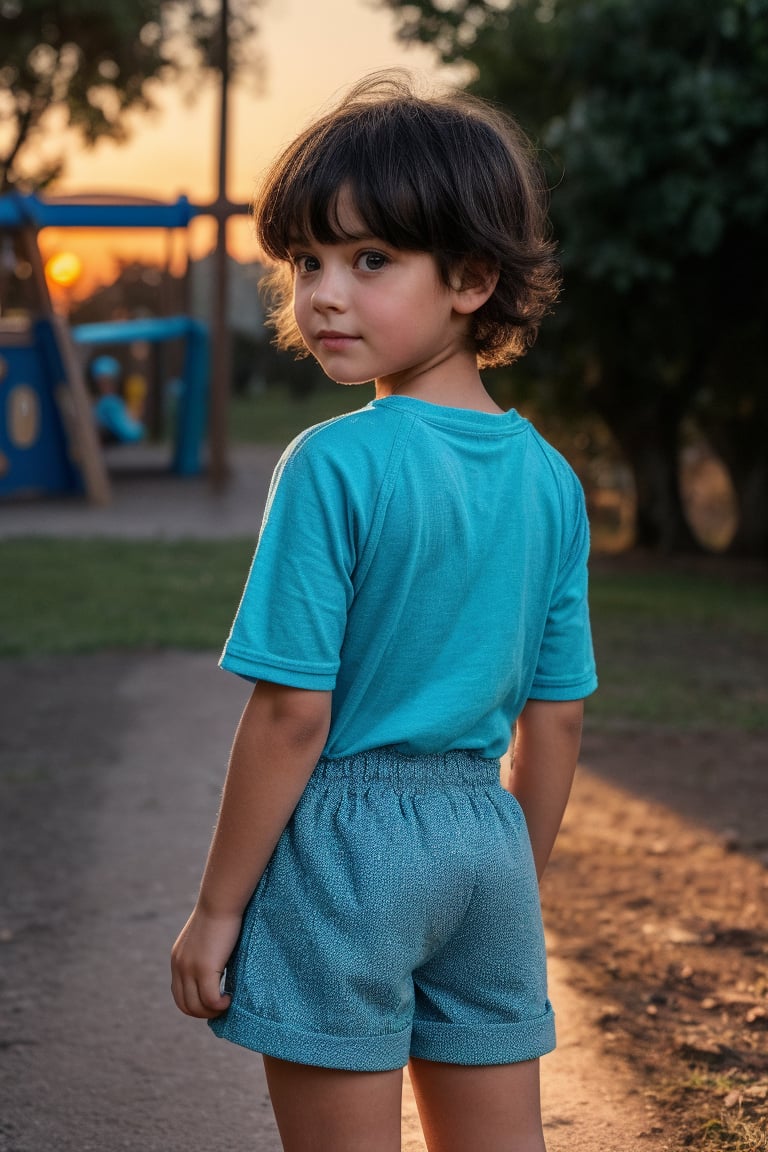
x: 546, y: 748
x: 278, y: 742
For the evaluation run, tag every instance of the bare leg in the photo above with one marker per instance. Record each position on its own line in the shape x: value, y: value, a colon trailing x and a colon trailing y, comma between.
x: 496, y: 1108
x: 325, y: 1110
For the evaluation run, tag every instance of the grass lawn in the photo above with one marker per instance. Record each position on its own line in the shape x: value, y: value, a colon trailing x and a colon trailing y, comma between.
x: 62, y: 596
x: 682, y: 649
x: 673, y: 648
x: 273, y: 417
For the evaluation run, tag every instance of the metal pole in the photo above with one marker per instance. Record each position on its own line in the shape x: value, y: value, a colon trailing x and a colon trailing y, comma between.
x: 221, y: 358
x: 71, y: 394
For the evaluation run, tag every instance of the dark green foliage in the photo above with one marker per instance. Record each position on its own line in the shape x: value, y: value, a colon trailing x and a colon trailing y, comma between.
x: 93, y: 59
x: 653, y: 123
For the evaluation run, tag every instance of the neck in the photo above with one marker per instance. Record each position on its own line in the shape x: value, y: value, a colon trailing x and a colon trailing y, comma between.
x: 454, y: 383
x: 448, y: 394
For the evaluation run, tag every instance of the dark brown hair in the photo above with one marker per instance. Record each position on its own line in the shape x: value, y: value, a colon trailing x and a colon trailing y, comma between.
x: 446, y: 174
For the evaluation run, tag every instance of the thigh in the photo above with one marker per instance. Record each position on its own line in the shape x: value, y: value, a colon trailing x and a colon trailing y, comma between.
x: 326, y: 1110
x: 495, y: 1108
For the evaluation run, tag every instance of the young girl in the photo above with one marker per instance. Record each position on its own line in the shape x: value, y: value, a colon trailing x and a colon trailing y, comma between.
x: 418, y: 591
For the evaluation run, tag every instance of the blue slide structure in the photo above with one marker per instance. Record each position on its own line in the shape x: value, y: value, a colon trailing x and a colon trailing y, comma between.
x: 34, y: 447
x: 38, y: 418
x: 18, y: 211
x: 191, y: 409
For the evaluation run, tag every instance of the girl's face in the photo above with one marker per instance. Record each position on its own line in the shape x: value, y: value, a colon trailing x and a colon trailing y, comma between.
x: 368, y: 311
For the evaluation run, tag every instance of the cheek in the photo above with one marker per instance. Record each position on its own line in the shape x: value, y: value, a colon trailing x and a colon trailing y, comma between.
x: 301, y: 308
x: 394, y: 312
x: 409, y: 325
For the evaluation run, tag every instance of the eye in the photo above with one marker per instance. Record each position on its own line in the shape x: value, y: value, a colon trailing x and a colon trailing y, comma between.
x: 371, y: 261
x: 304, y: 263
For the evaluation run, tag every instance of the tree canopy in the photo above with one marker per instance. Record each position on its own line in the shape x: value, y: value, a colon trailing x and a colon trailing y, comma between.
x: 653, y: 123
x: 92, y: 61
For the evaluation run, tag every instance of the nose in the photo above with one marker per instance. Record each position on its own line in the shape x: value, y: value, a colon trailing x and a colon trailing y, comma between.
x: 329, y: 293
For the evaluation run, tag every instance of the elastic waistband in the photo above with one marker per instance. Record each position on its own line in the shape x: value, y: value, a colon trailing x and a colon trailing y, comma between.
x: 457, y: 767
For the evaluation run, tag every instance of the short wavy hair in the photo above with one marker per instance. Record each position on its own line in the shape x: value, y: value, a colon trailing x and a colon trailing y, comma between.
x: 443, y: 173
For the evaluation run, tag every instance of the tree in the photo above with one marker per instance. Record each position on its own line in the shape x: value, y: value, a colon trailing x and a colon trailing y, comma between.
x: 653, y: 118
x: 93, y: 61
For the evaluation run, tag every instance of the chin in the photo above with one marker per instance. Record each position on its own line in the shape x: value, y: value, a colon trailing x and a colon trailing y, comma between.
x: 350, y: 383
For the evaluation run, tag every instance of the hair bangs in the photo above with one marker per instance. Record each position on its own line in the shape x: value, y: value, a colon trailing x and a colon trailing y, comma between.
x: 346, y: 186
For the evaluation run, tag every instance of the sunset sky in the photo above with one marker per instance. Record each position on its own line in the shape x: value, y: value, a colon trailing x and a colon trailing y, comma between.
x: 312, y: 49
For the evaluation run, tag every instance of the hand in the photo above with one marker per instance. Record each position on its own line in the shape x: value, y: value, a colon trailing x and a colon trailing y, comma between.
x: 198, y: 959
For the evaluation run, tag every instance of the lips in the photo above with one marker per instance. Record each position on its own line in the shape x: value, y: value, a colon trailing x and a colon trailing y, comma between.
x: 329, y: 338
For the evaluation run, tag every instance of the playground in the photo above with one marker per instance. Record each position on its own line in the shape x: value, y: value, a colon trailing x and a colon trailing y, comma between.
x: 62, y: 389
x: 123, y: 553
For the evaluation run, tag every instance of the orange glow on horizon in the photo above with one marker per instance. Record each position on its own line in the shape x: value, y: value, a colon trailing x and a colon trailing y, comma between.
x: 102, y: 252
x: 173, y: 151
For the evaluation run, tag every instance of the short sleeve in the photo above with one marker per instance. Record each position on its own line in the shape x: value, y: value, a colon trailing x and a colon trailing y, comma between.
x: 566, y: 664
x: 290, y: 624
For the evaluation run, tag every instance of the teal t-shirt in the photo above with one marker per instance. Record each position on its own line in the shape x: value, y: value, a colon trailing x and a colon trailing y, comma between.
x: 427, y: 565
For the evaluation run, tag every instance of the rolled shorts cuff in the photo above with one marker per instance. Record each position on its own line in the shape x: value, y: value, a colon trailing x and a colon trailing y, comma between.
x: 499, y: 1044
x: 443, y: 1043
x: 348, y: 1053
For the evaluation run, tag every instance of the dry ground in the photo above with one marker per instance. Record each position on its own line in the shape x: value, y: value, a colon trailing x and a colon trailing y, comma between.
x: 657, y: 895
x: 110, y: 772
x: 655, y: 901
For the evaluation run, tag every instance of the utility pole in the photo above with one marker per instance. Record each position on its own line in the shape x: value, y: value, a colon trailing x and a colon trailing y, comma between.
x: 221, y: 358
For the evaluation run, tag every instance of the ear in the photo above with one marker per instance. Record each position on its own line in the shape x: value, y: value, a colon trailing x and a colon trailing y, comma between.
x: 472, y: 284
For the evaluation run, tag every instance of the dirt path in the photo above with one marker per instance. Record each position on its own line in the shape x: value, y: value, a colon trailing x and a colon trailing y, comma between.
x: 590, y: 1102
x: 658, y: 890
x: 108, y: 785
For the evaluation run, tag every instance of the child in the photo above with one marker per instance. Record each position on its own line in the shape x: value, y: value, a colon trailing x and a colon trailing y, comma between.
x: 418, y: 590
x: 114, y: 420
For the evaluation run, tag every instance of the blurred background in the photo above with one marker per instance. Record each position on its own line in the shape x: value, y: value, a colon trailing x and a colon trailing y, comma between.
x: 650, y: 119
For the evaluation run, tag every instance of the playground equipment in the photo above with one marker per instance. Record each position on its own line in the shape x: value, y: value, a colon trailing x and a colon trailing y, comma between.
x: 49, y: 441
x: 189, y: 424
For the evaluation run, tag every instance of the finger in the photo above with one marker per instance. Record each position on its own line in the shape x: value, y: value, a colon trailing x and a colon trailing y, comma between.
x: 200, y: 999
x: 211, y: 996
x: 177, y: 991
x: 192, y: 1004
x: 185, y: 994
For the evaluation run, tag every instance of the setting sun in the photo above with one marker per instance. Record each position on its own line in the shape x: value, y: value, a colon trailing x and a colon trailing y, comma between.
x: 64, y: 269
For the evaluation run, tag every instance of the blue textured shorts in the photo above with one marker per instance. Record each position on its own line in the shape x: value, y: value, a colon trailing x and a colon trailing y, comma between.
x: 399, y: 916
